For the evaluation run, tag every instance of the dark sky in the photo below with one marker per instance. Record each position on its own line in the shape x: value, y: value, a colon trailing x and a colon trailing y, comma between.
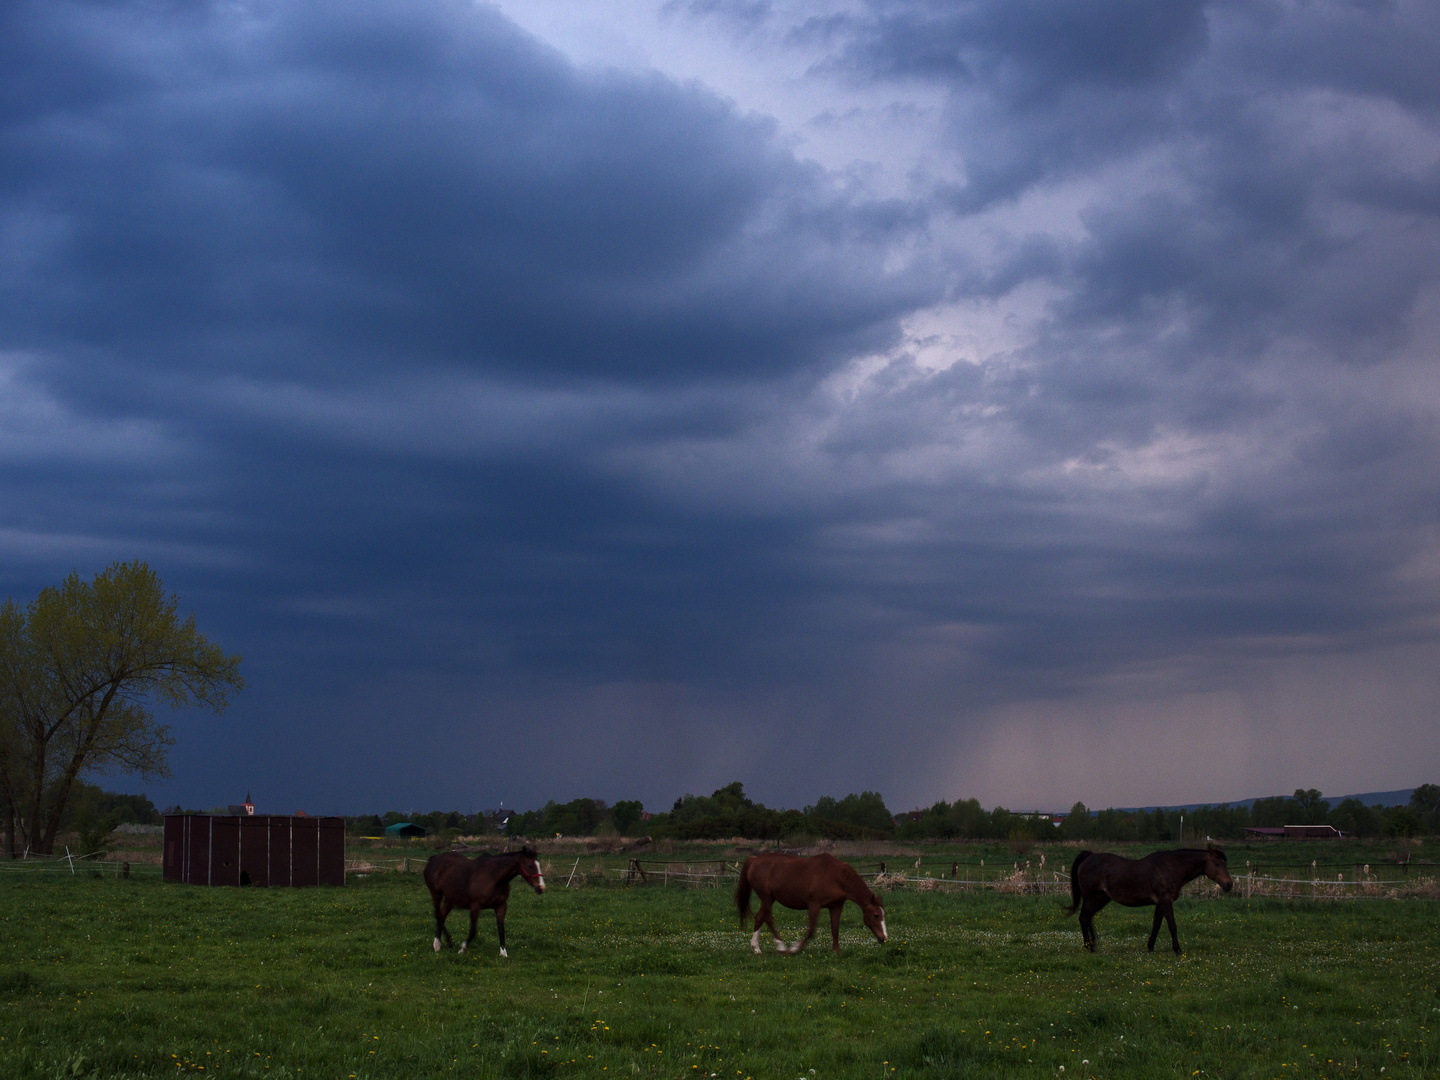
x: 1033, y: 401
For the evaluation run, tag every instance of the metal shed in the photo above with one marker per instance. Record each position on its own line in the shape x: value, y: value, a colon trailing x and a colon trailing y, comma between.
x: 266, y: 849
x: 405, y: 828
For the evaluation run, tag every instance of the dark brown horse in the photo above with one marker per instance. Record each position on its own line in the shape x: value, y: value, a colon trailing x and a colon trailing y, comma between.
x: 809, y: 884
x: 482, y: 882
x: 1098, y: 878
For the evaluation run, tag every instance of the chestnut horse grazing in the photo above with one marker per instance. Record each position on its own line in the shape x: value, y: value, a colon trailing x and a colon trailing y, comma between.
x: 821, y: 881
x: 1096, y: 879
x: 482, y: 882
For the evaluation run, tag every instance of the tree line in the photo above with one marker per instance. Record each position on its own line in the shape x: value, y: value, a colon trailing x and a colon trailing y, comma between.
x: 729, y: 812
x: 1421, y: 816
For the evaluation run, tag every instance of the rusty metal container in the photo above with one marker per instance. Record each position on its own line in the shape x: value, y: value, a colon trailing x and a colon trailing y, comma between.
x: 213, y: 849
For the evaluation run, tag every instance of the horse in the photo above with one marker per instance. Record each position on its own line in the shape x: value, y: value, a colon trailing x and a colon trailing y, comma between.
x: 483, y: 882
x: 1097, y: 878
x: 805, y: 884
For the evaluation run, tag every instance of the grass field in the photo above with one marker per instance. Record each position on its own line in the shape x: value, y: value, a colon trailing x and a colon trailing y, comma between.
x: 142, y: 978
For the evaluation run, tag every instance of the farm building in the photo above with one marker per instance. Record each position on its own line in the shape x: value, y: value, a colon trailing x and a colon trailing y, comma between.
x: 404, y: 829
x: 1293, y: 832
x: 263, y: 849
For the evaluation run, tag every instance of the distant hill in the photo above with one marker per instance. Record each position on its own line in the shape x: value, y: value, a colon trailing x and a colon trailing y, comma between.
x: 1369, y: 798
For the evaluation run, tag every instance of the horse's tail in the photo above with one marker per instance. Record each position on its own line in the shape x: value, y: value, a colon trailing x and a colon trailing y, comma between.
x: 742, y: 893
x: 1075, y: 882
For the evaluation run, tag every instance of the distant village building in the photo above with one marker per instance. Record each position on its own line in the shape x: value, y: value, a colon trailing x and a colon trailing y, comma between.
x: 247, y: 808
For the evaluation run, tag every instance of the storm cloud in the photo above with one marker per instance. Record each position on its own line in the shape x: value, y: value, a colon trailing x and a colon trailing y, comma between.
x: 993, y: 399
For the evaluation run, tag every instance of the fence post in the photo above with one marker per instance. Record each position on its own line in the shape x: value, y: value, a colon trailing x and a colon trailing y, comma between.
x: 70, y: 860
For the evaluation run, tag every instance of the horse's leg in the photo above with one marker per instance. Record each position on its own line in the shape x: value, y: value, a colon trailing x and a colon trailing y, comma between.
x: 474, y: 917
x: 1155, y: 927
x: 762, y: 915
x: 1170, y: 918
x: 500, y: 925
x: 766, y: 917
x: 442, y: 912
x: 814, y: 914
x: 835, y: 911
x: 1088, y: 908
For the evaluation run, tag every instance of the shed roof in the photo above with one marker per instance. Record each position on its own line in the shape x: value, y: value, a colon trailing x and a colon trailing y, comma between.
x: 405, y: 828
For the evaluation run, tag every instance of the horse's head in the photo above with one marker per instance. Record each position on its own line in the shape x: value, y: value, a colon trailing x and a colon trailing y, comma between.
x: 1216, y: 870
x: 530, y: 869
x: 874, y: 915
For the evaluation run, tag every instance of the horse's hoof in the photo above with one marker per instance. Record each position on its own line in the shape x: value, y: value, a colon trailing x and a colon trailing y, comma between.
x: 462, y: 945
x: 504, y: 953
x: 437, y: 944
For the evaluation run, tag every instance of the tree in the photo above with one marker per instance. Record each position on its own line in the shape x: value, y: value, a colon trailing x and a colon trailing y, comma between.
x: 1312, y: 807
x: 626, y: 813
x: 1354, y: 818
x: 867, y: 810
x: 81, y: 668
x: 1425, y: 801
x: 1077, y: 824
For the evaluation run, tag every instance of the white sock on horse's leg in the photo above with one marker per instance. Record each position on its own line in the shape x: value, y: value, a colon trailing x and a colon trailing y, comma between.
x: 503, y: 952
x: 463, y: 944
x: 755, y: 942
x: 437, y: 944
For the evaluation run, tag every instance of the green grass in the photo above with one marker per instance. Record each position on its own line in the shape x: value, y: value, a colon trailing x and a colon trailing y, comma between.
x: 141, y: 978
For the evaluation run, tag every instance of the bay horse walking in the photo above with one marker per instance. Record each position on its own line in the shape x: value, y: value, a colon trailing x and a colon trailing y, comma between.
x: 809, y: 884
x: 1098, y: 878
x: 482, y: 882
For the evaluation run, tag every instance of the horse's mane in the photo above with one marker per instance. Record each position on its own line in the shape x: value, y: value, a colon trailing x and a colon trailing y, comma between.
x: 854, y: 876
x: 523, y: 852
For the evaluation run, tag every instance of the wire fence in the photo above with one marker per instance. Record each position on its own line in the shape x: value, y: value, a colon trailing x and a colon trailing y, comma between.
x: 93, y: 865
x: 1361, y: 881
x: 1315, y: 880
